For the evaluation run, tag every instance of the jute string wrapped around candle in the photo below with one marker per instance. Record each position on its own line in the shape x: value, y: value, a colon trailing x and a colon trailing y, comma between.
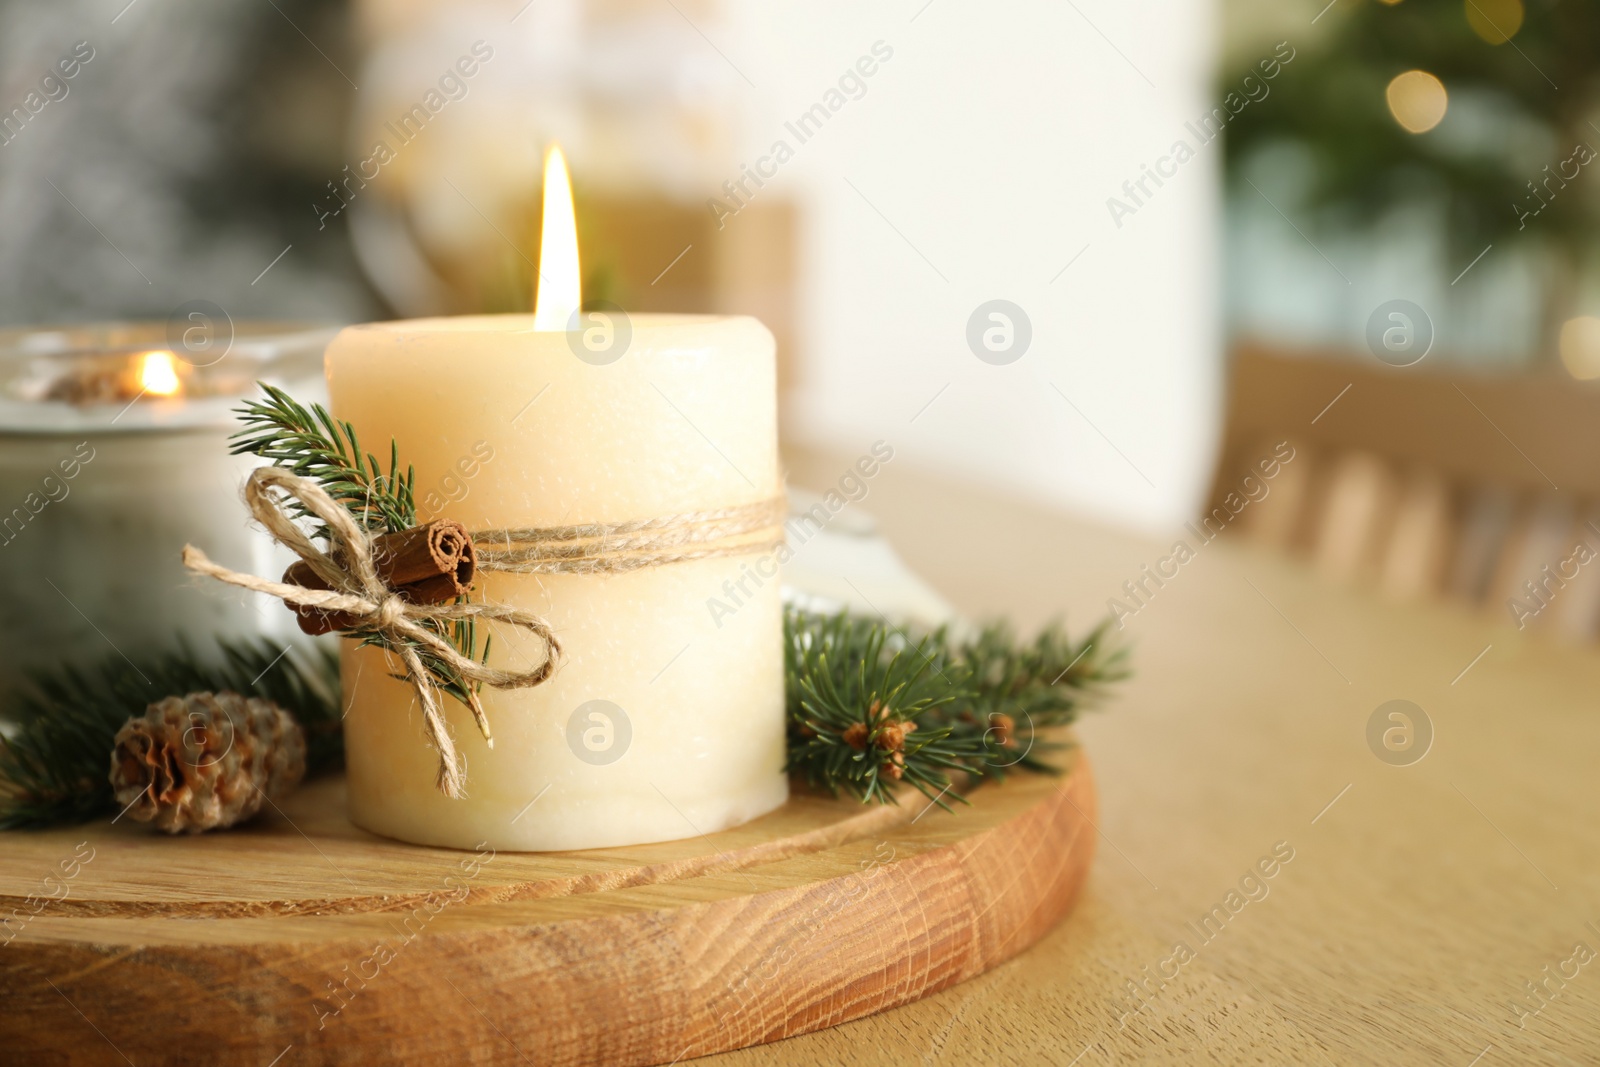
x: 624, y: 546
x: 365, y: 604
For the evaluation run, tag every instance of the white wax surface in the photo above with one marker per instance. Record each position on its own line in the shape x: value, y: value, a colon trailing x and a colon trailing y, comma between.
x: 684, y: 421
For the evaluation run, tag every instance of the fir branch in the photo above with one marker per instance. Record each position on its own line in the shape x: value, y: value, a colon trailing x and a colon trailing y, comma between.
x: 54, y: 766
x: 869, y: 706
x: 1024, y: 690
x: 311, y: 443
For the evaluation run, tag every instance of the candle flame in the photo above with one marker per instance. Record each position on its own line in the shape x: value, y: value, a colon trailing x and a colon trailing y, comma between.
x: 560, y: 288
x: 158, y: 374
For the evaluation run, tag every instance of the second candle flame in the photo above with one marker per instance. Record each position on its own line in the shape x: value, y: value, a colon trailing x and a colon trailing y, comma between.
x: 158, y: 374
x: 559, y: 290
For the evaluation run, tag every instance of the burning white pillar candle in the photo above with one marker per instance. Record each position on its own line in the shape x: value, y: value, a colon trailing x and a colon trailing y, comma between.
x: 665, y: 719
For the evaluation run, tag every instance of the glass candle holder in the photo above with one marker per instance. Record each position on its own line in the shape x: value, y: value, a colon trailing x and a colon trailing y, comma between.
x: 114, y: 454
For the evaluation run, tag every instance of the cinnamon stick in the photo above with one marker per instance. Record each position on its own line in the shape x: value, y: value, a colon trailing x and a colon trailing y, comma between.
x: 429, y: 564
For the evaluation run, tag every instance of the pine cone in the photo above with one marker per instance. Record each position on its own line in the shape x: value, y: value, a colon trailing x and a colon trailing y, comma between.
x: 204, y: 761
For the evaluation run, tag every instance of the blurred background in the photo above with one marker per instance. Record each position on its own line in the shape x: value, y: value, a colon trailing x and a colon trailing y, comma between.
x: 1360, y: 228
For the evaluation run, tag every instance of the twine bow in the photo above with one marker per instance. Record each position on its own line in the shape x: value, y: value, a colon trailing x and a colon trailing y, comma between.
x: 356, y: 590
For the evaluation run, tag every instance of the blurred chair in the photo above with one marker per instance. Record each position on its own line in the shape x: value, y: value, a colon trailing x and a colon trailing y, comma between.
x: 1424, y: 482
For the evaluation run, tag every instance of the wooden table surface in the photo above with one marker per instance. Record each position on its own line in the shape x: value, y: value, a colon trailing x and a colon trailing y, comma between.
x: 1423, y: 903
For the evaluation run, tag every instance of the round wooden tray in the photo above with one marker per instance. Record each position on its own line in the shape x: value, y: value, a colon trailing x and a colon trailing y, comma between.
x: 302, y: 933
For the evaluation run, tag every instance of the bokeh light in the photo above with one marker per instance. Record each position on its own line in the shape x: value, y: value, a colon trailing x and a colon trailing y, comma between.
x: 1496, y: 21
x: 1417, y: 100
x: 1580, y: 346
